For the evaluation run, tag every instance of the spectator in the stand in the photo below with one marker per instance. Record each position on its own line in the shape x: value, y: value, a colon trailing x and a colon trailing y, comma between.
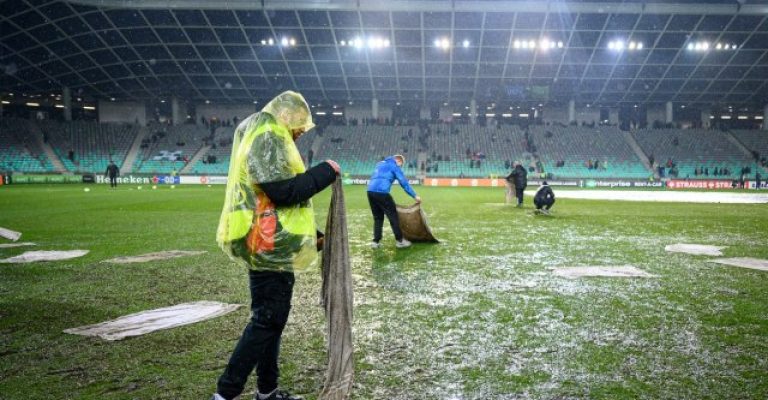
x: 706, y: 171
x: 741, y: 179
x: 758, y: 181
x: 71, y: 155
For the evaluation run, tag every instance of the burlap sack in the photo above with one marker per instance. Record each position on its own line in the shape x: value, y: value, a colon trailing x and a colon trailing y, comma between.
x: 414, y: 225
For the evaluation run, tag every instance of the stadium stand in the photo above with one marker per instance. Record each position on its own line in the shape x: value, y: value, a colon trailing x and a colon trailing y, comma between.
x: 19, y: 152
x: 216, y: 160
x: 691, y: 151
x: 92, y: 145
x: 167, y: 149
x: 431, y: 150
x: 755, y: 141
x: 582, y: 152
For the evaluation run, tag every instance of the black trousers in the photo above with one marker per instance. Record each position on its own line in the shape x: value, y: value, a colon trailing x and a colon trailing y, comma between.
x: 546, y: 203
x: 112, y: 181
x: 382, y: 204
x: 519, y: 194
x: 259, y: 346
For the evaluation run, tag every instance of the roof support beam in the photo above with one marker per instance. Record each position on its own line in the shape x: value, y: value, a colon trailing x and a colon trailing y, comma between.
x: 434, y: 6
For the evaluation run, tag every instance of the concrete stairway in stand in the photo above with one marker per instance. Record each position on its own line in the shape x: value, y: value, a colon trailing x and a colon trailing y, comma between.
x: 198, y: 155
x: 133, y: 152
x: 736, y: 142
x: 640, y: 153
x: 58, y: 166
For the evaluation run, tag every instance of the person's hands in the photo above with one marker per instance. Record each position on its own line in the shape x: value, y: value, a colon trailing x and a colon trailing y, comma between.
x: 335, y: 166
x: 418, y: 199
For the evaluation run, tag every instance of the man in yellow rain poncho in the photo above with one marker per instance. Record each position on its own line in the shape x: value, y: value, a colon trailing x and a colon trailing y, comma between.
x: 268, y: 225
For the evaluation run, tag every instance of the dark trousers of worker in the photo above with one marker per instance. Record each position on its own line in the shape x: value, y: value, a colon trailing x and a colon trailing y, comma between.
x: 545, y: 203
x: 519, y: 194
x: 259, y: 346
x: 382, y: 204
x: 112, y: 181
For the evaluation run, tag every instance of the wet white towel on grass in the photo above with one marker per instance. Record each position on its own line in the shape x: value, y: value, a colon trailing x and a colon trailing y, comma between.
x: 161, y: 255
x: 744, y: 262
x: 695, y: 249
x: 624, y: 271
x: 9, y: 234
x: 44, y: 255
x: 11, y: 245
x: 153, y: 320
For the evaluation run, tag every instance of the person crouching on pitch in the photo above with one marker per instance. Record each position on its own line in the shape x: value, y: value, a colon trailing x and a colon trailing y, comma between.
x: 381, y: 201
x: 544, y: 198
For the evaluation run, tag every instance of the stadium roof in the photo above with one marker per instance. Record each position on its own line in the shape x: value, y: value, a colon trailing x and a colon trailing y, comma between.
x: 422, y: 51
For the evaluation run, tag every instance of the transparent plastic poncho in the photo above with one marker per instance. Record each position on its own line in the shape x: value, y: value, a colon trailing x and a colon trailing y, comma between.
x: 252, y: 230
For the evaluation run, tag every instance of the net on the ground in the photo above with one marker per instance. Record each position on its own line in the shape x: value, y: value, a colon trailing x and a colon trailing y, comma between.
x: 413, y: 223
x: 337, y: 300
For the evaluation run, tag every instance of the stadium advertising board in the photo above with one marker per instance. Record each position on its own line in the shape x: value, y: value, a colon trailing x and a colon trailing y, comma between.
x: 753, y: 185
x: 166, y: 180
x: 554, y: 182
x: 624, y: 184
x: 678, y: 184
x: 127, y: 179
x: 142, y: 179
x: 486, y: 182
x: 203, y: 180
x: 47, y: 178
x: 365, y: 181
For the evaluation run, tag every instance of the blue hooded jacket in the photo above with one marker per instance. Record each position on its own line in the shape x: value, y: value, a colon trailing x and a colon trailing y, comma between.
x: 386, y: 172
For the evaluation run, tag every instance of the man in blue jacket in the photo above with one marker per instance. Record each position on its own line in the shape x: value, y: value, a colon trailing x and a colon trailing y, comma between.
x: 381, y: 201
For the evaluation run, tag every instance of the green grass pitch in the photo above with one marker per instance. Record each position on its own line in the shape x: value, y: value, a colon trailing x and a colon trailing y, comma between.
x: 479, y: 316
